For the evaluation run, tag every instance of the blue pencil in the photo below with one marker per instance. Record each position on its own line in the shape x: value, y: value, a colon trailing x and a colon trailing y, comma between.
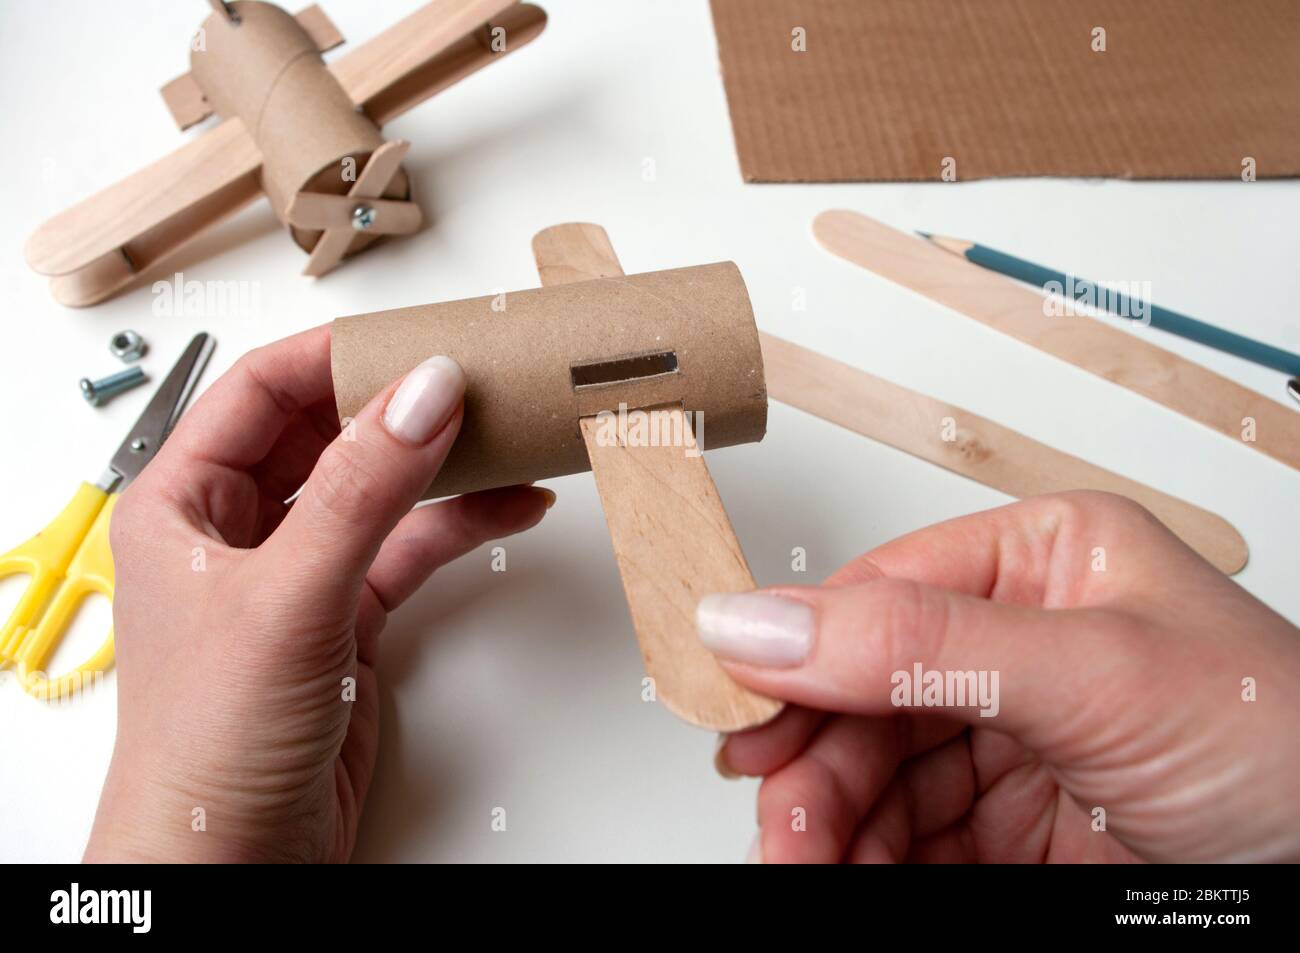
x: 1120, y: 304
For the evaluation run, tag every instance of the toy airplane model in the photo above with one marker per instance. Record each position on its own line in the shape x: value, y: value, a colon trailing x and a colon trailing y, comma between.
x: 304, y: 133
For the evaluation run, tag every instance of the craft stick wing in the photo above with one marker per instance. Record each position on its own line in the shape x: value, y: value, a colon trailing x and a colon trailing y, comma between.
x: 98, y: 245
x: 672, y: 538
x: 438, y: 45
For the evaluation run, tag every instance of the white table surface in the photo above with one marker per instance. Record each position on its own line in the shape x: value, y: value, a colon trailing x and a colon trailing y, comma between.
x: 521, y: 690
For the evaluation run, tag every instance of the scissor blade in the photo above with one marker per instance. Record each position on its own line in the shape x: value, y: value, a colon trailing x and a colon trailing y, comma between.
x: 162, y: 413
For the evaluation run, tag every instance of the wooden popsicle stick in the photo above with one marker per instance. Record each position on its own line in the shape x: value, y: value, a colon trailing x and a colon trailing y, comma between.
x: 1118, y: 356
x: 672, y: 539
x: 334, y: 243
x: 224, y: 161
x: 575, y: 251
x: 981, y: 449
x: 317, y: 211
x: 390, y: 73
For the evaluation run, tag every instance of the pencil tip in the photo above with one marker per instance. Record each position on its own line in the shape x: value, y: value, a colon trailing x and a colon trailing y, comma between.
x: 926, y: 235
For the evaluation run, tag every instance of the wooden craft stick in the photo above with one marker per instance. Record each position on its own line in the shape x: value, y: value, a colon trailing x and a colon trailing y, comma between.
x: 576, y: 251
x: 672, y: 539
x: 146, y: 216
x: 389, y: 74
x: 1123, y: 358
x: 980, y: 449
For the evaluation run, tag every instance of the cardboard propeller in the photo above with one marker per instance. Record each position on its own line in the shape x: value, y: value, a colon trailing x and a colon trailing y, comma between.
x: 304, y: 133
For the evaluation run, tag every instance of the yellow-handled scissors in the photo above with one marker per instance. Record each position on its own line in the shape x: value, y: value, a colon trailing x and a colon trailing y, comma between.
x: 70, y: 558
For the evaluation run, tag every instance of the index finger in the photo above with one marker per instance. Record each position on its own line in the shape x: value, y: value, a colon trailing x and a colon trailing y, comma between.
x: 1038, y: 552
x: 240, y: 417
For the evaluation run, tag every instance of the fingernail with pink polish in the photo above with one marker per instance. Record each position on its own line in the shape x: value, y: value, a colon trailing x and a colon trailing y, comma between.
x: 756, y: 627
x: 425, y: 400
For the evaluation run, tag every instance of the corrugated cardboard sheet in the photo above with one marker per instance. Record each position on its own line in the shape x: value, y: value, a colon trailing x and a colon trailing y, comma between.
x: 889, y: 89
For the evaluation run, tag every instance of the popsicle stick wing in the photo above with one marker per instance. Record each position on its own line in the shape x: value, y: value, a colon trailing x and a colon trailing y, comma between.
x: 436, y: 46
x: 672, y: 538
x: 100, y: 244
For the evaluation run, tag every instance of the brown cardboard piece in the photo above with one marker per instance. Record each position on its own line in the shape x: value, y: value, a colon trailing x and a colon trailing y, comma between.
x: 889, y: 89
x: 521, y: 350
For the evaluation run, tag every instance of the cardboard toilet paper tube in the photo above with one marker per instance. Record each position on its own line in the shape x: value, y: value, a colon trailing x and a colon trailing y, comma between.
x: 538, y: 361
x: 267, y: 70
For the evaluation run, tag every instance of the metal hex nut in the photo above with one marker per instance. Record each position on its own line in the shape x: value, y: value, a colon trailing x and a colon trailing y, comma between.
x: 127, y: 346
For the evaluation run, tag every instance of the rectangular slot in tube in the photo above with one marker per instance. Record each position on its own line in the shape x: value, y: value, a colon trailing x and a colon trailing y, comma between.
x: 623, y: 369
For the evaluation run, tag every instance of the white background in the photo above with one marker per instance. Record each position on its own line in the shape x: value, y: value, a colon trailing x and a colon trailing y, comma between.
x: 521, y: 690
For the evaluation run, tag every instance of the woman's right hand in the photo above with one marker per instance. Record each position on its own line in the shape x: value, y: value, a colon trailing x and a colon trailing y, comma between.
x: 1147, y: 707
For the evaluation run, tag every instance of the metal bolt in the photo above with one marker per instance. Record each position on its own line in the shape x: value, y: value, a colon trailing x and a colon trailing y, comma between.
x: 127, y: 346
x: 98, y: 393
x: 139, y: 445
x: 363, y: 217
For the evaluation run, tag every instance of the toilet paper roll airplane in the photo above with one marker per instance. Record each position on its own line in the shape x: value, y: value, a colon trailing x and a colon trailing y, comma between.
x: 558, y: 375
x: 305, y: 134
x: 559, y: 381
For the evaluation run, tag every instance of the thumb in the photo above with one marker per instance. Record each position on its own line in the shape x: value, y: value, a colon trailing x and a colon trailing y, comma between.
x: 892, y: 646
x: 373, y: 474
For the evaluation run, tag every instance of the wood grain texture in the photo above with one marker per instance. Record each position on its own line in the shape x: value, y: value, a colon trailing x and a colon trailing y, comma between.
x: 576, y: 251
x: 146, y: 217
x: 981, y: 449
x: 672, y: 539
x: 1118, y: 356
x: 436, y: 46
x: 111, y: 219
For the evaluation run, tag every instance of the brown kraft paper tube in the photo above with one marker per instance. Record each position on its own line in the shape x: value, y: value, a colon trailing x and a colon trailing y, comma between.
x: 267, y: 71
x: 537, y: 361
